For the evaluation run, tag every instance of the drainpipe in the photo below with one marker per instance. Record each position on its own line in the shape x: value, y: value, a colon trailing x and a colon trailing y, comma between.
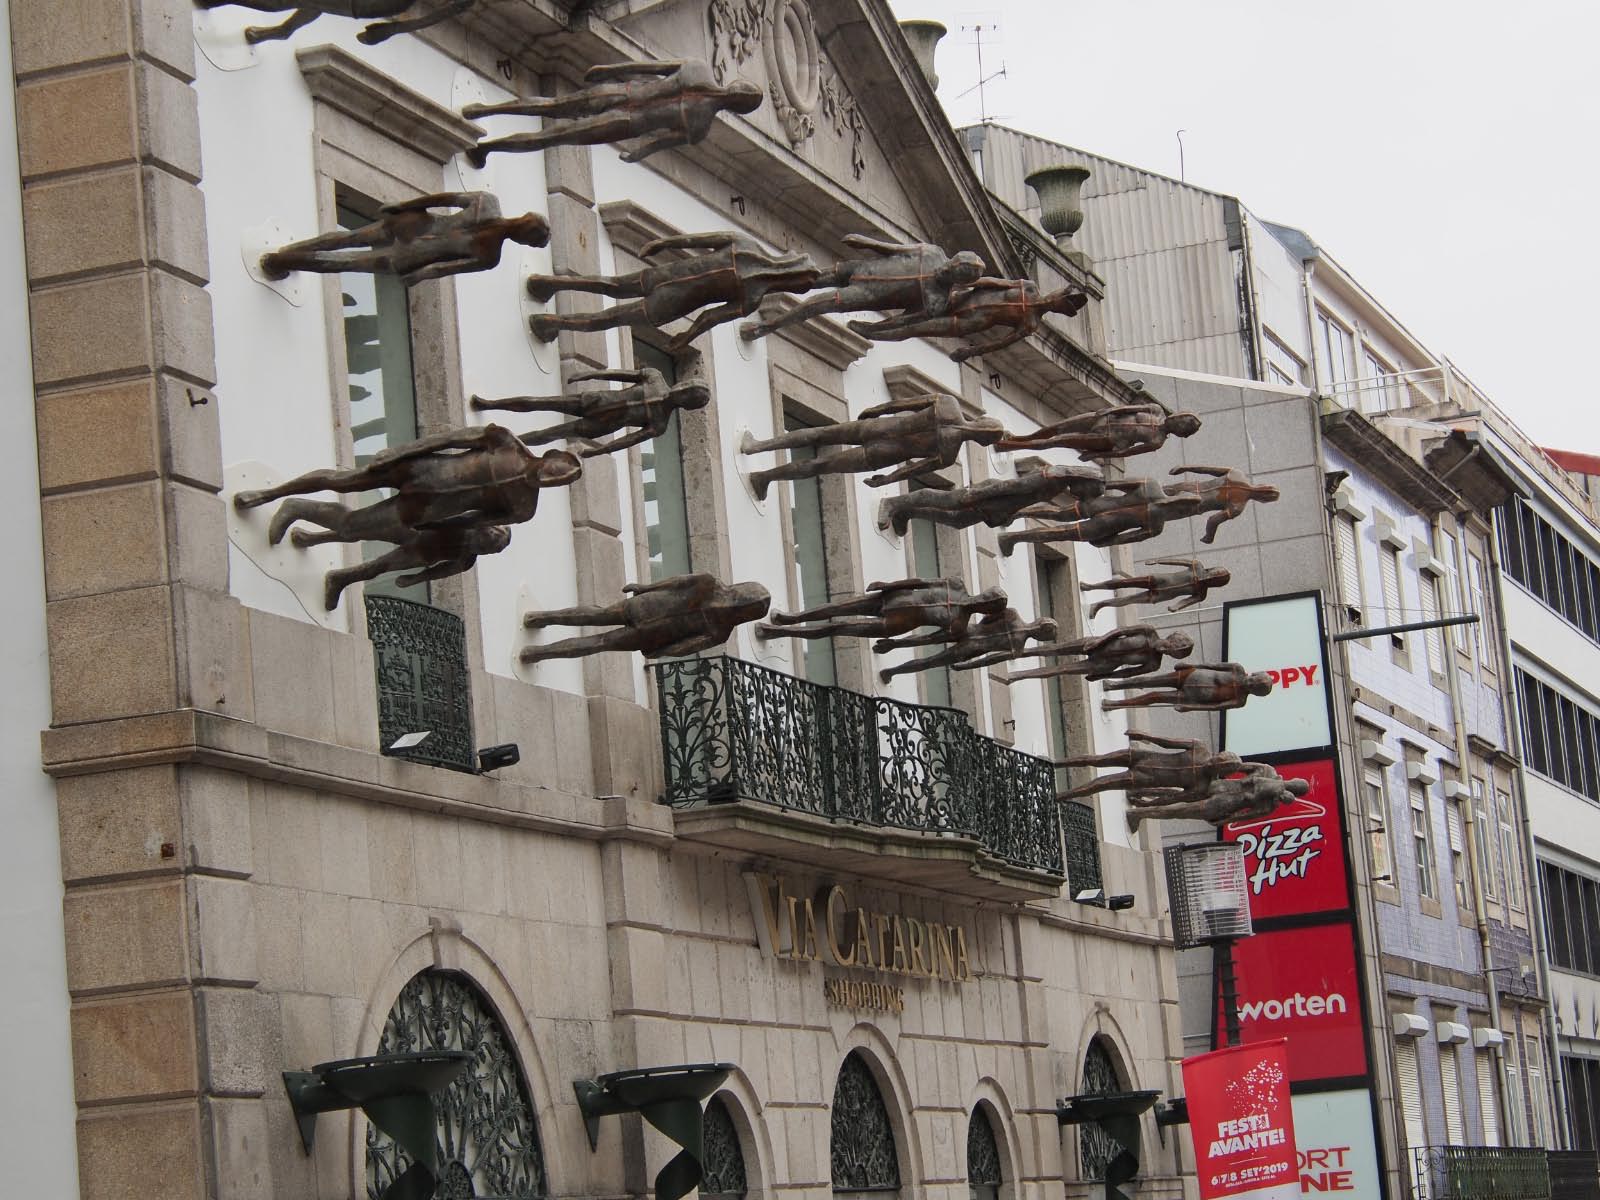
x: 1309, y: 306
x: 1556, y: 1069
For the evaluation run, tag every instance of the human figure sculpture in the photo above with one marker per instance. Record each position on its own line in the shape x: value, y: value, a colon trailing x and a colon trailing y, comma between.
x: 1224, y: 494
x: 1016, y: 305
x: 1188, y: 585
x: 913, y: 277
x: 412, y: 242
x: 921, y: 433
x: 994, y: 502
x: 1181, y: 765
x: 667, y: 619
x: 1193, y: 687
x: 1129, y: 510
x: 1110, y: 433
x: 886, y: 610
x: 1120, y: 654
x: 731, y: 271
x: 668, y: 103
x: 646, y: 405
x: 993, y: 639
x: 1260, y: 792
x: 458, y: 479
x: 303, y: 12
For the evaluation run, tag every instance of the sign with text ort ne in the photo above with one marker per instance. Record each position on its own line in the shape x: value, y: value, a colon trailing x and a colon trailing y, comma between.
x: 1282, y: 637
x: 1301, y: 984
x: 1294, y: 859
x: 1242, y: 1122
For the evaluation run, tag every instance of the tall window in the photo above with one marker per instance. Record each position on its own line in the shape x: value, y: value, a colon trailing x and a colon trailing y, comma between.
x: 810, y: 557
x: 1409, y: 1080
x: 926, y: 563
x: 1459, y: 871
x: 983, y: 1158
x: 1558, y: 571
x: 1583, y: 1100
x: 1432, y: 639
x: 1516, y: 1113
x: 1333, y: 350
x: 1572, y: 919
x: 1422, y: 841
x: 1561, y: 735
x: 1538, y: 1102
x: 861, y: 1144
x: 725, y: 1177
x: 488, y: 1135
x: 666, y: 507
x: 1488, y: 1097
x: 1483, y: 632
x: 1058, y: 600
x: 1486, y: 837
x: 1393, y: 598
x: 1510, y: 853
x: 1455, y: 1126
x: 1377, y: 801
x: 1450, y: 603
x: 1347, y: 545
x: 377, y: 355
x: 1382, y: 388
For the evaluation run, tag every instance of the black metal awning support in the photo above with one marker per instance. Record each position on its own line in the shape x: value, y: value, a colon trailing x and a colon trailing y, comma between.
x: 1356, y: 635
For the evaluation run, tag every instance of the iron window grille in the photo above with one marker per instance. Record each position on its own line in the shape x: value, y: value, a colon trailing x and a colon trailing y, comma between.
x: 1096, y: 1147
x: 724, y: 1177
x: 1083, y: 846
x: 862, y: 1147
x: 420, y: 658
x: 983, y: 1157
x: 1480, y: 1173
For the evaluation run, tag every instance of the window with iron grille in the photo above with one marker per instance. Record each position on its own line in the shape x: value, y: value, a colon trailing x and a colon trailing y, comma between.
x: 1096, y: 1147
x: 862, y: 1145
x: 420, y: 660
x: 983, y: 1157
x: 725, y: 1177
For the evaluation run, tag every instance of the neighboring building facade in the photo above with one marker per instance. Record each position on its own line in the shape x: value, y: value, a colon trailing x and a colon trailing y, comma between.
x: 1213, y: 308
x: 254, y: 884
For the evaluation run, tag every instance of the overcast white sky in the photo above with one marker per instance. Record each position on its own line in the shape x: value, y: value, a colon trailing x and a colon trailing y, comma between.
x: 1443, y: 151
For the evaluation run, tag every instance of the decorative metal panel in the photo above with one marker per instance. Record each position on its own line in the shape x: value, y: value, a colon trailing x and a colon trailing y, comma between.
x: 731, y: 730
x: 863, y: 1150
x: 724, y: 1160
x: 488, y: 1134
x: 983, y: 1151
x: 1482, y: 1173
x: 1095, y: 1146
x: 420, y: 654
x: 1083, y: 846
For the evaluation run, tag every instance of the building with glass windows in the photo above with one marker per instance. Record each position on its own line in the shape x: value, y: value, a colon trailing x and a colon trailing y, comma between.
x: 279, y: 841
x: 1386, y: 513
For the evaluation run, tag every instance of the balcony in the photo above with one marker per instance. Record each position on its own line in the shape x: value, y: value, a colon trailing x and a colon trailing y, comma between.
x: 1480, y: 1173
x: 761, y: 762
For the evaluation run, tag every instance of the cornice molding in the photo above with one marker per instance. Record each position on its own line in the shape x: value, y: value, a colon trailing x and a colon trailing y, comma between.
x: 630, y: 225
x: 365, y: 94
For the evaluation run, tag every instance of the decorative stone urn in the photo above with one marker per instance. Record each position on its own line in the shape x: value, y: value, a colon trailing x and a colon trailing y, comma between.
x: 1060, y: 192
x: 924, y: 39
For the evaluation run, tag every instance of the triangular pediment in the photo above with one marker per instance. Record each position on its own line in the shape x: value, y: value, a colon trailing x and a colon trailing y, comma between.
x: 850, y: 135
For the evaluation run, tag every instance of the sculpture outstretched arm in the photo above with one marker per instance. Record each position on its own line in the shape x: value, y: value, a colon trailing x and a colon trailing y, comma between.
x: 1186, y: 602
x: 439, y: 270
x: 987, y: 660
x: 450, y: 439
x: 623, y: 69
x: 901, y: 404
x: 442, y: 569
x: 910, y: 471
x: 621, y: 442
x: 699, y: 584
x: 1219, y: 472
x: 1158, y: 740
x: 906, y: 585
x: 433, y: 200
x: 689, y: 241
x: 661, y: 141
x: 860, y: 241
x: 972, y: 351
x: 617, y: 376
x: 1176, y: 562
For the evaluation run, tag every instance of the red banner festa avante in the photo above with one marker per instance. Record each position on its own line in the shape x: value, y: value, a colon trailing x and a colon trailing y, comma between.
x: 1242, y: 1122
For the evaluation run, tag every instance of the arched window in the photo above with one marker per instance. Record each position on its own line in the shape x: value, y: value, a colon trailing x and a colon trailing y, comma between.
x: 488, y: 1134
x: 983, y: 1157
x: 725, y: 1176
x: 1095, y: 1146
x: 863, y: 1150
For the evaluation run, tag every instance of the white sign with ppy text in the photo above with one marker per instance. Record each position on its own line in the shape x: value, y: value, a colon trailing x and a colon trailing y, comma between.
x: 1284, y: 639
x: 1335, y: 1146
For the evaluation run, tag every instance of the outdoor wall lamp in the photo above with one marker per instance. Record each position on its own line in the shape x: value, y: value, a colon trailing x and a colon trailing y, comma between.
x: 492, y: 758
x: 671, y: 1099
x: 395, y: 1093
x: 1209, y: 893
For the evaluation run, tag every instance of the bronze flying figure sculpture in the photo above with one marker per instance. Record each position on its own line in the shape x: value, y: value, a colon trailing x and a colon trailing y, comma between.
x: 1193, y: 687
x: 1188, y: 585
x: 1015, y: 305
x: 887, y: 610
x: 431, y: 554
x: 1129, y: 510
x: 303, y: 12
x: 994, y: 502
x: 645, y: 406
x: 1110, y: 433
x: 915, y: 434
x: 1224, y: 494
x: 411, y: 241
x: 1260, y: 792
x: 667, y: 619
x: 731, y: 271
x: 1180, y: 765
x: 671, y: 103
x: 913, y: 277
x: 458, y: 479
x: 992, y: 640
x: 1120, y: 654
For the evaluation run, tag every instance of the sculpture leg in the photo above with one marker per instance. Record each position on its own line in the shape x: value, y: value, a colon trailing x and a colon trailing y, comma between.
x: 1104, y: 783
x: 1141, y: 701
x: 578, y: 647
x: 618, y: 287
x: 327, y: 480
x: 847, y: 627
x: 1117, y: 602
x: 545, y: 326
x: 1113, y: 758
x: 554, y: 433
x: 840, y: 433
x: 842, y: 462
x: 587, y: 131
x: 335, y: 581
x: 302, y: 17
x: 860, y: 606
x: 382, y: 31
x: 1048, y: 533
x: 324, y: 512
x: 1171, y: 680
x: 578, y: 104
x: 816, y: 306
x: 583, y: 614
x: 331, y: 259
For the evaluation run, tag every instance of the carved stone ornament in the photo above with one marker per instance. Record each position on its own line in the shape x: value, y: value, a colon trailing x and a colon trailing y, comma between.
x: 839, y: 109
x: 794, y: 66
x: 735, y: 27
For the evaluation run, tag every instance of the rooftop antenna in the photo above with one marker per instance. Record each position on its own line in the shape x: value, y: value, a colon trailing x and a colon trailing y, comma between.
x: 1182, y: 178
x: 977, y: 37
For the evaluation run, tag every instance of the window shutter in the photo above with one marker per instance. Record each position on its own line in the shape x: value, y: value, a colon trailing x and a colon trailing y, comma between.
x: 1405, y: 1063
x: 1455, y: 1130
x: 1389, y: 576
x: 1349, y: 572
x: 1457, y: 840
x: 1488, y: 1110
x: 1429, y: 587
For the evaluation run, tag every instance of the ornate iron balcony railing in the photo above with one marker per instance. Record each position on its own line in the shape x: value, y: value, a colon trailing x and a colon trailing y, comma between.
x: 420, y: 655
x: 731, y: 730
x: 1480, y: 1173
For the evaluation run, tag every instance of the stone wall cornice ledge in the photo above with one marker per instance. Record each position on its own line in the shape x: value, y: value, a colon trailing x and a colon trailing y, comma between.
x: 362, y: 92
x: 630, y: 225
x: 206, y: 739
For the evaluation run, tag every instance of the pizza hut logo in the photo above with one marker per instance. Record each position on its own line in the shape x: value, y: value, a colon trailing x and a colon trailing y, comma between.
x: 1280, y: 856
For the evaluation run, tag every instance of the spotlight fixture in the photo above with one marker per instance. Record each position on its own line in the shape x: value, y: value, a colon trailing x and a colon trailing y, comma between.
x: 408, y: 741
x: 492, y: 758
x: 1090, y: 896
x: 1121, y: 902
